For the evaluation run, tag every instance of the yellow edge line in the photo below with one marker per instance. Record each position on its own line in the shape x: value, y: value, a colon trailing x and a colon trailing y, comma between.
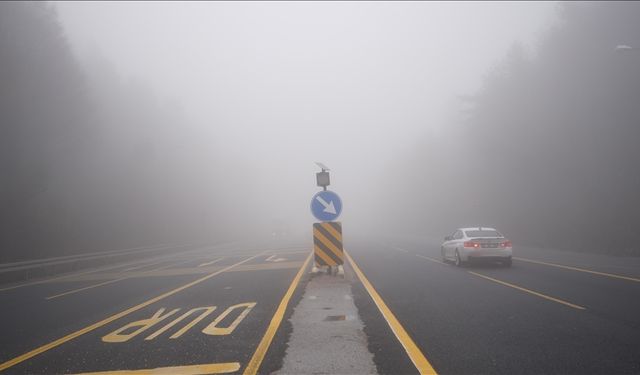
x: 418, y: 359
x: 580, y: 270
x: 211, y: 368
x: 62, y: 340
x: 529, y: 291
x: 256, y: 360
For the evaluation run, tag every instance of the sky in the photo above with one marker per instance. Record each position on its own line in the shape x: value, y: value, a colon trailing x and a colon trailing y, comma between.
x: 280, y: 85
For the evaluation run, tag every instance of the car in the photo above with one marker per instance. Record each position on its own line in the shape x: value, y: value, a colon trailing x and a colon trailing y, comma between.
x: 476, y: 243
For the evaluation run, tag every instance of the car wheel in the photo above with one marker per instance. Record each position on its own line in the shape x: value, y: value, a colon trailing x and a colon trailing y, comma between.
x: 444, y: 258
x: 458, y: 261
x: 507, y: 262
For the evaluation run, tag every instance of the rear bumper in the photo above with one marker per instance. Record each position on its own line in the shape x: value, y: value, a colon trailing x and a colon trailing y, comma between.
x: 486, y: 254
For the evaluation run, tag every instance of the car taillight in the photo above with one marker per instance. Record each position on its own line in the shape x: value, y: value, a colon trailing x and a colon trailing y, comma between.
x: 506, y: 244
x: 472, y: 244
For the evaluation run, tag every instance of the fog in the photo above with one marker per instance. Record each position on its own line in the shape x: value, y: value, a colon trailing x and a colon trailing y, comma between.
x: 203, y: 121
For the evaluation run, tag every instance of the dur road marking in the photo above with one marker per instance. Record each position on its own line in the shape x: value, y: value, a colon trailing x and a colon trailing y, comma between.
x: 212, y: 368
x: 71, y: 336
x: 580, y: 269
x: 529, y: 291
x: 213, y: 329
x: 418, y: 359
x: 256, y: 359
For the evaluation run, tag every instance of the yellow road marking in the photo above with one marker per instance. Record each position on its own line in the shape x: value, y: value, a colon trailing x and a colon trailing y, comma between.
x: 212, y: 262
x: 529, y: 291
x: 256, y: 359
x: 212, y: 368
x: 327, y: 259
x: 418, y: 359
x: 431, y: 259
x: 62, y: 340
x: 580, y: 270
x: 108, y: 282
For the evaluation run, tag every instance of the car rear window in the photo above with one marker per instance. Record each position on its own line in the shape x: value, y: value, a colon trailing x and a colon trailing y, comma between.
x: 482, y: 233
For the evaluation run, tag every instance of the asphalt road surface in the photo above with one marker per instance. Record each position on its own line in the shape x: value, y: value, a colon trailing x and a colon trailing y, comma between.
x: 552, y: 312
x: 224, y: 309
x: 202, y: 310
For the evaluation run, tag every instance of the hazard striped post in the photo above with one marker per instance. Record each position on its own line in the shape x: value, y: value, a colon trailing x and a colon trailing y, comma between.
x: 327, y: 244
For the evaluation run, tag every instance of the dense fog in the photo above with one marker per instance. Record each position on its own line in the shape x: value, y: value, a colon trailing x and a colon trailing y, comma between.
x: 131, y: 124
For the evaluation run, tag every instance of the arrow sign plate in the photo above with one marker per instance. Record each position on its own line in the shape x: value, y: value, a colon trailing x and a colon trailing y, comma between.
x: 326, y: 206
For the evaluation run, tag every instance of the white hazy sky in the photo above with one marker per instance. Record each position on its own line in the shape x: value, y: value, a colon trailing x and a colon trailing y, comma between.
x: 284, y: 84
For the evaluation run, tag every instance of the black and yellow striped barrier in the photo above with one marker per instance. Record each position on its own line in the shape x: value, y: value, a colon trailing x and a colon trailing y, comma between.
x: 327, y: 243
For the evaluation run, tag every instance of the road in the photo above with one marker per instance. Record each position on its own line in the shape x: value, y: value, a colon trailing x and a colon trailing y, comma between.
x: 224, y: 308
x: 547, y: 314
x: 205, y: 309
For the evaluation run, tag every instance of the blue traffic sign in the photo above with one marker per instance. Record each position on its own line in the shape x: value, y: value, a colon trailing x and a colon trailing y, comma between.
x: 326, y: 206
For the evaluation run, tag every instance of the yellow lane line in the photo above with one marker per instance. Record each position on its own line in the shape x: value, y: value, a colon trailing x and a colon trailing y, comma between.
x: 212, y: 368
x: 73, y: 291
x: 580, y: 270
x: 62, y: 340
x: 418, y: 359
x: 256, y: 359
x: 529, y: 291
x: 212, y: 262
x: 431, y: 259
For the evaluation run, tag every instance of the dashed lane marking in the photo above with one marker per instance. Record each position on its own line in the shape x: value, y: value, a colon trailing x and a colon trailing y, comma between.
x: 12, y: 362
x: 612, y: 275
x: 529, y: 291
x: 210, y: 263
x: 418, y: 359
x: 400, y: 249
x: 431, y: 259
x: 256, y: 359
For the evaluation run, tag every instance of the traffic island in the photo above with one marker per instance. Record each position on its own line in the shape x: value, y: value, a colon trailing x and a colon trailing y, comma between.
x: 327, y: 333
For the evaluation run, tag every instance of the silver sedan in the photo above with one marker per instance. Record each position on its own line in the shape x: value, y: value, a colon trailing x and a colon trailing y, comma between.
x: 477, y: 243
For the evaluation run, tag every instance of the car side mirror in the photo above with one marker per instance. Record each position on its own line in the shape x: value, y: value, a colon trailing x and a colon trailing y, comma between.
x: 447, y: 238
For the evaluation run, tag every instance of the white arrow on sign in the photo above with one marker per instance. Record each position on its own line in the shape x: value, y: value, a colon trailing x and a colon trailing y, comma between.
x: 328, y: 207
